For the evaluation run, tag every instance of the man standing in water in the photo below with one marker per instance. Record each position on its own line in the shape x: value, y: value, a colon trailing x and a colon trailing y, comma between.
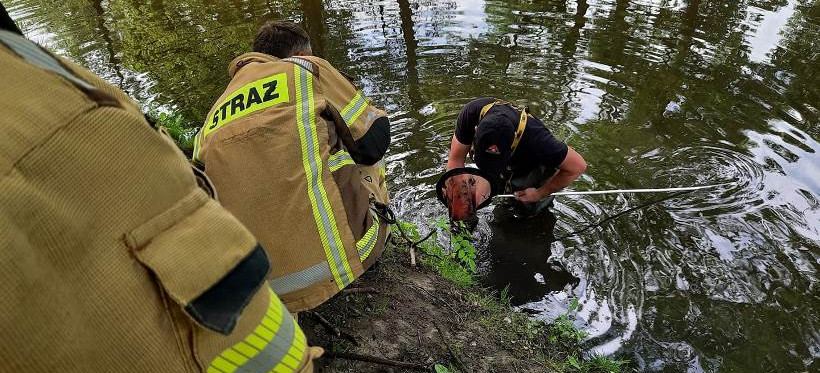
x: 517, y: 150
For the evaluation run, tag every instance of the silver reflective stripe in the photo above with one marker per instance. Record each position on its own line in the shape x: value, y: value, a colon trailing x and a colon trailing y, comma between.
x: 275, y: 351
x: 339, y: 159
x: 197, y: 146
x: 35, y: 55
x: 302, y: 279
x: 302, y: 62
x: 354, y: 108
x: 323, y: 213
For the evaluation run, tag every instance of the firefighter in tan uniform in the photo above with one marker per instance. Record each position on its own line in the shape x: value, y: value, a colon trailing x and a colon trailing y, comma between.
x: 295, y: 152
x: 111, y: 258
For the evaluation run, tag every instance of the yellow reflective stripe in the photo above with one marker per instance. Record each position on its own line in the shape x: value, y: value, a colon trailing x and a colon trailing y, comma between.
x: 338, y: 160
x: 383, y: 168
x: 354, y: 109
x: 312, y: 162
x: 276, y: 341
x: 249, y: 98
x: 368, y: 241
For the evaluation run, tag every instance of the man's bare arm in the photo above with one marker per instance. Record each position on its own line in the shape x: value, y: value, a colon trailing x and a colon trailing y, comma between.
x: 458, y: 154
x: 568, y: 171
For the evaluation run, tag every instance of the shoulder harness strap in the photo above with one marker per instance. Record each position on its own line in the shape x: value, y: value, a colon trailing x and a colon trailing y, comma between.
x: 522, y: 122
x: 519, y: 132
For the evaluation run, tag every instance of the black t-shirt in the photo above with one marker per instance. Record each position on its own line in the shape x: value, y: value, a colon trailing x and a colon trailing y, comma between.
x: 537, y: 146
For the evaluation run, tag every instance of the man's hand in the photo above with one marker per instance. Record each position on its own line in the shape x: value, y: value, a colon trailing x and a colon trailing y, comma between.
x: 529, y: 195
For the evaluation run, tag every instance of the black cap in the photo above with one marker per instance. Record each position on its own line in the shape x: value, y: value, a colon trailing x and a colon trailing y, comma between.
x: 493, y: 143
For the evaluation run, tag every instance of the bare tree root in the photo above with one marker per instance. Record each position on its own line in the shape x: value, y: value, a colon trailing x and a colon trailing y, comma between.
x: 333, y: 329
x: 360, y: 290
x: 377, y: 360
x: 460, y: 364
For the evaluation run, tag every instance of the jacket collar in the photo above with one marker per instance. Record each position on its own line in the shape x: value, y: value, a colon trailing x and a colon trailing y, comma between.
x: 248, y: 58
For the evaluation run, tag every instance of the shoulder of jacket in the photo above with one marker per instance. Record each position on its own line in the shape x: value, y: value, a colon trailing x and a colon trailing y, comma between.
x: 321, y: 64
x: 38, y: 100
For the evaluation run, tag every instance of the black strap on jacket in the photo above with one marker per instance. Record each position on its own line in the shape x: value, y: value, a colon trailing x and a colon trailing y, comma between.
x: 6, y: 23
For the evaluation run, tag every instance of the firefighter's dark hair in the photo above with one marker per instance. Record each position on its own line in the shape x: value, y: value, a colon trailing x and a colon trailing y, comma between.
x: 281, y: 39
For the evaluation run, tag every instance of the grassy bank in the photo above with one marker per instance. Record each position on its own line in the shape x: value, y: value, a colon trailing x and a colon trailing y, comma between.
x: 435, y: 315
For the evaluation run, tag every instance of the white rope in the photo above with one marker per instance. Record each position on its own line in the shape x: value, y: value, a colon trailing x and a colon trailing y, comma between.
x: 620, y: 191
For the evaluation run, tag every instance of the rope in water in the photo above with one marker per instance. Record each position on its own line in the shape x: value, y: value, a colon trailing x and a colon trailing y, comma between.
x: 621, y: 191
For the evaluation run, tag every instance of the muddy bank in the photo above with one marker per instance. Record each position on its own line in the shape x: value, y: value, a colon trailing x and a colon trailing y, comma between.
x: 412, y: 314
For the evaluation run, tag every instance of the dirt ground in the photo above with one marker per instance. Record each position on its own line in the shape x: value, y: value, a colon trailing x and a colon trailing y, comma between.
x: 411, y: 314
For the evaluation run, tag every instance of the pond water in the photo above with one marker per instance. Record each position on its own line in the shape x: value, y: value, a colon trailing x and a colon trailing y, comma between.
x: 653, y: 93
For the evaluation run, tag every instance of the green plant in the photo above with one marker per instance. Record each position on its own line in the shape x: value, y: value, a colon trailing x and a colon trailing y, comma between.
x: 445, y: 262
x: 561, y: 330
x: 597, y: 364
x: 410, y: 229
x: 461, y: 246
x: 180, y: 130
x: 443, y: 369
x: 603, y: 364
x: 504, y: 297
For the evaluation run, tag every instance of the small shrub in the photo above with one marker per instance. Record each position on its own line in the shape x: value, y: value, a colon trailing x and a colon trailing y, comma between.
x: 180, y: 129
x: 461, y: 245
x: 457, y: 265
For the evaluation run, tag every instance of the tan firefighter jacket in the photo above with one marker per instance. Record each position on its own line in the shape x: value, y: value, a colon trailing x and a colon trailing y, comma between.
x: 111, y: 258
x: 294, y: 151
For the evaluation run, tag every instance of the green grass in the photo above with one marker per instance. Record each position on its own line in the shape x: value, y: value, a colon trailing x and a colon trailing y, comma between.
x: 563, y: 331
x: 560, y: 340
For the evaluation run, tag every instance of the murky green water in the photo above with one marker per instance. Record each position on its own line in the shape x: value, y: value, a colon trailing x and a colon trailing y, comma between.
x: 653, y: 93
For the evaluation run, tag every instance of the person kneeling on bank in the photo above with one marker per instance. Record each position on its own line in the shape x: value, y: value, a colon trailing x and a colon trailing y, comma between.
x: 295, y: 151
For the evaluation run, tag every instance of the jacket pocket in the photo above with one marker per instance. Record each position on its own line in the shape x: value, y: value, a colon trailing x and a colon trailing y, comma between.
x: 203, y: 258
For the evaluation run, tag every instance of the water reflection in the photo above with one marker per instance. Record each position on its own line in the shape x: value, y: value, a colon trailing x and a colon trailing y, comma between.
x: 653, y: 93
x: 518, y: 256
